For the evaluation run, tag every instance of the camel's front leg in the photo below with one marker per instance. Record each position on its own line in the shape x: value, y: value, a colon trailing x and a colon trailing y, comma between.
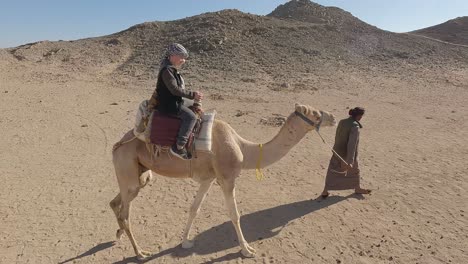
x: 229, y: 195
x: 194, y: 210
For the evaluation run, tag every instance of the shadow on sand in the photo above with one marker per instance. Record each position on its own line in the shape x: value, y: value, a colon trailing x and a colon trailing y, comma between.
x: 255, y: 226
x: 91, y: 251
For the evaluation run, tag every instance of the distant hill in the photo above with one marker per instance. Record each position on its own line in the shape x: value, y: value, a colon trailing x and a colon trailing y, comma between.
x: 307, y: 11
x: 454, y: 31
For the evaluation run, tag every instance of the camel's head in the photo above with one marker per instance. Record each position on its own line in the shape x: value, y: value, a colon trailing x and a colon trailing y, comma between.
x: 314, y: 117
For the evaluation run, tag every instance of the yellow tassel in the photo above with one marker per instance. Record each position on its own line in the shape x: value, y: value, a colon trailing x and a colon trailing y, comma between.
x: 258, y: 171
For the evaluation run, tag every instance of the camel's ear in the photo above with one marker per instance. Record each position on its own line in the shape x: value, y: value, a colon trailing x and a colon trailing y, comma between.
x: 316, y: 114
x: 302, y: 109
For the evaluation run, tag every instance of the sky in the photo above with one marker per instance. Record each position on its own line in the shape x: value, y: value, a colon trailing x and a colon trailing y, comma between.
x: 25, y: 21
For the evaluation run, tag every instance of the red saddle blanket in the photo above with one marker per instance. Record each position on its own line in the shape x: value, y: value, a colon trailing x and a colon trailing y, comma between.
x: 164, y: 129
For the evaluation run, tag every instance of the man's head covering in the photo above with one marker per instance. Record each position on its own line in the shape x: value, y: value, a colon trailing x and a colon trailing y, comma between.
x: 356, y: 111
x: 176, y: 49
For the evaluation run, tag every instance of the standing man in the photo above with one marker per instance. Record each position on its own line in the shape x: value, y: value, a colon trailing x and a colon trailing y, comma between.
x: 340, y: 175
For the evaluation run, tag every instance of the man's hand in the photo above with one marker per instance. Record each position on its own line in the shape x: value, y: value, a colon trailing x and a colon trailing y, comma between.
x: 345, y: 166
x: 197, y: 96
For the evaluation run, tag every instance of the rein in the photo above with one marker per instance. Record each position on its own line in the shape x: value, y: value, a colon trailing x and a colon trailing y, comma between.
x: 317, y: 128
x: 317, y: 125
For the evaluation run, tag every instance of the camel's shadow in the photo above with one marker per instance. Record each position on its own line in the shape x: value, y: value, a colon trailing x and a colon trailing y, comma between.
x: 255, y: 226
x: 91, y: 251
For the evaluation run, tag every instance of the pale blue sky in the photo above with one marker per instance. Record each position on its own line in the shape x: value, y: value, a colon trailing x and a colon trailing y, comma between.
x: 23, y: 21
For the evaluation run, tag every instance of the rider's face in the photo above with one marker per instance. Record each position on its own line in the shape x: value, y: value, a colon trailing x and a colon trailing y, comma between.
x: 177, y: 60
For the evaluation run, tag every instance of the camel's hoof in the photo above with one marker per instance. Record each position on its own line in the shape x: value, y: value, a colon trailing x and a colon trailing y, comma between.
x: 143, y: 255
x: 188, y: 244
x: 119, y: 234
x: 251, y: 249
x: 248, y: 253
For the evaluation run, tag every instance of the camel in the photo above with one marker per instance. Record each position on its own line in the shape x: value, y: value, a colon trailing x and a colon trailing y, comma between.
x: 230, y: 154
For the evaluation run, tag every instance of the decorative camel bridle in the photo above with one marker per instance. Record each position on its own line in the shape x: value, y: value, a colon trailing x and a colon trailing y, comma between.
x: 258, y: 171
x: 317, y: 128
x: 310, y: 122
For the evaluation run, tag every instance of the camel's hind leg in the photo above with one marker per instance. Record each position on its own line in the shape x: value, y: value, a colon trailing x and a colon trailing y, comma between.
x: 194, y: 210
x: 116, y: 205
x: 124, y: 219
x: 128, y: 174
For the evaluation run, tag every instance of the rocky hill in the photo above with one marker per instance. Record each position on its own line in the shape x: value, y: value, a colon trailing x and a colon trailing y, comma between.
x: 297, y: 38
x: 454, y: 31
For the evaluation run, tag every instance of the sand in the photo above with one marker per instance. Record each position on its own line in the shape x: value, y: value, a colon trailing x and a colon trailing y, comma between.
x: 58, y: 129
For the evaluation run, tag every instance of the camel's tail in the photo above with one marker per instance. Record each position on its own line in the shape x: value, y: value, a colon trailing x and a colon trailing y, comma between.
x: 145, y: 178
x: 124, y: 140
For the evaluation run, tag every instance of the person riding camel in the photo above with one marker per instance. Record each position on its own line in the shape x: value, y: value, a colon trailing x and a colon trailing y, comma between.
x: 169, y: 94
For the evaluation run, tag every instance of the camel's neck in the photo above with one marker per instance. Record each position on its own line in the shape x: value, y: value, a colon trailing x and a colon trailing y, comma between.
x: 289, y: 135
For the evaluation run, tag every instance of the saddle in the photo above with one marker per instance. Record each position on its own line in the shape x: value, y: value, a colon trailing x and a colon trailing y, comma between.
x: 159, y: 131
x: 162, y: 129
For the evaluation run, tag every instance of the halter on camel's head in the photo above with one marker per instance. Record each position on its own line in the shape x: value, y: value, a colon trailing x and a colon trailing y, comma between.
x: 319, y: 117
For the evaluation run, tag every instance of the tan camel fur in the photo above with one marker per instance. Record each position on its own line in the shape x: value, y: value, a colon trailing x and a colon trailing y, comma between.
x: 230, y: 154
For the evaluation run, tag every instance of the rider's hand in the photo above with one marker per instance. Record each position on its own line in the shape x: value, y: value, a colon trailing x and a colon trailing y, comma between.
x: 197, y: 95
